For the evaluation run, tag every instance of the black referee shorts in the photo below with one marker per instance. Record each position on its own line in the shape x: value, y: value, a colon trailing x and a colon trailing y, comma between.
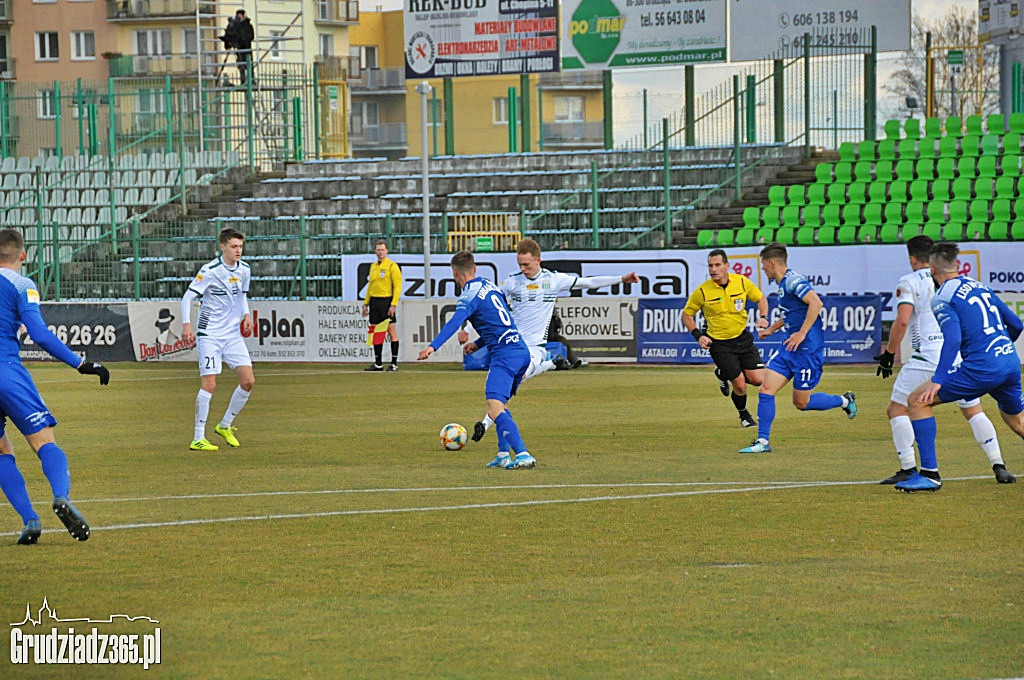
x: 378, y: 310
x: 735, y: 355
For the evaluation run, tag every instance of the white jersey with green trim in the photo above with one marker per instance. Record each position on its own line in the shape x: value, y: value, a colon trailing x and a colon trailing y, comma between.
x: 917, y: 289
x: 223, y: 290
x: 532, y: 301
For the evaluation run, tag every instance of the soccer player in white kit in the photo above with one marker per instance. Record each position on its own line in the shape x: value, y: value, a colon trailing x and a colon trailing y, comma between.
x: 914, y: 293
x: 531, y: 293
x: 223, y: 285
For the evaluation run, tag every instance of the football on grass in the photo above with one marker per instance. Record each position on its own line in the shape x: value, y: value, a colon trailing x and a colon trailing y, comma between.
x: 453, y: 436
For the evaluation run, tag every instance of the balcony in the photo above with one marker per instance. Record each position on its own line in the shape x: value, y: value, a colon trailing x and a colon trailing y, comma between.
x: 7, y: 68
x: 378, y: 80
x: 337, y: 68
x: 571, y: 80
x: 383, y: 136
x: 576, y: 134
x: 127, y: 65
x: 337, y: 12
x: 126, y: 10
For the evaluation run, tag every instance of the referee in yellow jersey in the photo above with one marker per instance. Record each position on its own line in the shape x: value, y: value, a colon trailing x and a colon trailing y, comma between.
x: 723, y: 300
x: 384, y: 287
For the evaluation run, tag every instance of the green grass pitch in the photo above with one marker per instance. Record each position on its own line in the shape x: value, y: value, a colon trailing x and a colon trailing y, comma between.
x: 341, y: 541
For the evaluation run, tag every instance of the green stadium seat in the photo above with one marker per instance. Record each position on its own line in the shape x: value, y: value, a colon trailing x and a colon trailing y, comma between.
x: 1005, y: 187
x: 936, y: 211
x: 945, y: 168
x: 1002, y: 210
x: 983, y: 188
x: 752, y: 217
x: 907, y: 149
x: 910, y: 230
x: 970, y: 145
x: 990, y: 144
x: 961, y: 189
x: 958, y: 210
x: 941, y: 190
x: 887, y: 150
x: 973, y: 125
x: 979, y: 210
x: 904, y: 169
x: 823, y: 173
x: 954, y: 127
x: 925, y: 169
x: 770, y: 216
x: 843, y: 172
x: 949, y: 147
x: 996, y: 123
x: 898, y: 191
x: 826, y: 236
x: 796, y: 195
x: 745, y: 236
x: 999, y: 231
x: 785, y: 236
x: 953, y: 231
x: 857, y: 192
x: 816, y: 194
x: 932, y: 230
x: 966, y: 167
x: 932, y: 127
x: 837, y: 193
x: 1018, y: 209
x: 851, y: 214
x: 862, y: 171
x: 790, y: 216
x: 987, y: 166
x: 1011, y: 143
x: 830, y: 215
x: 919, y: 190
x: 1017, y: 231
x: 975, y: 231
x: 725, y: 237
x: 892, y: 129
x: 1016, y: 121
x: 847, y: 152
x: 777, y: 195
x: 867, y: 234
x: 866, y: 151
x: 914, y: 211
x: 883, y: 171
x: 812, y: 216
x: 877, y: 192
x: 893, y: 213
x: 765, y: 235
x: 872, y: 213
x: 926, y: 149
x: 846, y: 235
x: 705, y: 237
x: 889, y: 233
x: 1010, y: 165
x: 805, y: 236
x: 912, y: 128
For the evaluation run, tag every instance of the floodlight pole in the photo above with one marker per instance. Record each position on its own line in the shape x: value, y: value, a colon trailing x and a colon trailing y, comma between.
x: 424, y: 89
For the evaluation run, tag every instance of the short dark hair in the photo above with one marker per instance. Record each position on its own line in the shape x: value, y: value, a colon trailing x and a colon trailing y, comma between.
x: 528, y: 246
x: 719, y: 252
x: 229, y: 233
x: 11, y: 245
x: 463, y: 261
x: 240, y: 11
x: 774, y: 251
x: 943, y: 256
x: 920, y: 247
x: 380, y: 241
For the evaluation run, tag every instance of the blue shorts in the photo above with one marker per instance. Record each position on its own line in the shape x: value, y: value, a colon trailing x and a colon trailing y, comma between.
x: 505, y: 373
x: 964, y: 383
x: 20, y: 401
x: 804, y: 368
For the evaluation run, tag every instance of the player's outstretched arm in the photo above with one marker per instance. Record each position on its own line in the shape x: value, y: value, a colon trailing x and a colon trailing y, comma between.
x: 95, y: 368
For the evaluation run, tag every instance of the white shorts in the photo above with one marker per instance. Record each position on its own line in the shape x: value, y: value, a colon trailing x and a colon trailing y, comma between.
x: 213, y: 351
x: 539, y: 362
x: 914, y: 374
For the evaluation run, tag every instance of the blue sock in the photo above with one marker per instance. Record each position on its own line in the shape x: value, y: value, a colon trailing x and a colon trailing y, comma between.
x: 765, y: 415
x: 507, y: 428
x: 14, y: 488
x: 502, y: 442
x: 924, y: 433
x: 55, y: 467
x: 820, y: 401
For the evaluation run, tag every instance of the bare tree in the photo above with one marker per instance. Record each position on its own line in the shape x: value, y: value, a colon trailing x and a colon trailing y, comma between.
x: 976, y: 88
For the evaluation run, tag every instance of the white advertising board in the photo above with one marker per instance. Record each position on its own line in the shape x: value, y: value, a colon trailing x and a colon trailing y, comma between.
x: 760, y: 28
x: 999, y: 21
x: 601, y: 34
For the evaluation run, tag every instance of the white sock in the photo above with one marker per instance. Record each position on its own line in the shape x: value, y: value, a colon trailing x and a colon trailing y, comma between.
x: 238, y: 399
x: 985, y: 434
x: 202, y: 412
x: 903, y: 438
x: 487, y: 422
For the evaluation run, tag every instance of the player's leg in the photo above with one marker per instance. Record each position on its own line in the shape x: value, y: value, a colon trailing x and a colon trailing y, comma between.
x: 776, y: 375
x: 1011, y: 407
x: 751, y: 373
x: 236, y: 356
x: 922, y: 419
x: 807, y: 371
x: 13, y: 485
x: 376, y: 315
x: 209, y: 368
x: 55, y: 468
x: 503, y: 380
x: 911, y: 376
x: 729, y: 369
x: 539, y: 363
x: 393, y: 336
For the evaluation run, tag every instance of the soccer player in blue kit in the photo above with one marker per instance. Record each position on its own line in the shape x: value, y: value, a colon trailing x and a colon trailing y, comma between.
x: 484, y: 305
x: 978, y: 325
x: 802, y: 354
x: 20, y: 400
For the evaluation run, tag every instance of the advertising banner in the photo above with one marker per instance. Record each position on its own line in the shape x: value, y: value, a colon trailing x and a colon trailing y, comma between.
x: 452, y: 38
x: 601, y: 34
x: 419, y: 322
x: 1016, y: 303
x: 97, y: 330
x: 600, y: 330
x: 853, y: 330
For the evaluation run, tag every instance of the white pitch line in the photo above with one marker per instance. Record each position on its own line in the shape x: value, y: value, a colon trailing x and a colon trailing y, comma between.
x: 469, y: 506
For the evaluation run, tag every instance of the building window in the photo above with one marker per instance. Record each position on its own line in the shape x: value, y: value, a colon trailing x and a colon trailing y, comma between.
x: 501, y: 110
x: 83, y: 45
x: 3, y: 9
x: 323, y: 9
x: 326, y: 45
x: 189, y: 44
x: 44, y: 2
x: 47, y: 46
x: 275, y: 44
x: 366, y: 121
x: 368, y: 56
x: 569, y: 109
x: 46, y: 104
x: 153, y: 43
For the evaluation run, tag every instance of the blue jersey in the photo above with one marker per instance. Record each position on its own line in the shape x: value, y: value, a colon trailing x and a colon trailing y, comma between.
x: 978, y: 325
x: 19, y: 305
x: 792, y: 289
x: 484, y: 305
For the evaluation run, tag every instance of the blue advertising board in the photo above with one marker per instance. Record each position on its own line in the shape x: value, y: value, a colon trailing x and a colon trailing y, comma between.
x: 853, y: 330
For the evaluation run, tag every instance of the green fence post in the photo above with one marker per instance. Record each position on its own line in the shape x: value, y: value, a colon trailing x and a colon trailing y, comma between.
x: 736, y: 132
x: 807, y: 95
x: 168, y: 115
x: 57, y: 118
x: 389, y: 229
x: 645, y: 118
x: 297, y: 122
x: 595, y: 208
x: 3, y: 120
x: 316, y: 109
x: 80, y: 108
x: 606, y: 92
x: 690, y: 106
x: 524, y: 105
x: 779, y: 92
x: 1017, y: 105
x: 136, y: 265
x: 55, y: 266
x: 92, y: 111
x: 540, y: 118
x: 449, y: 118
x: 112, y: 132
x: 181, y: 155
x: 433, y: 116
x: 751, y: 100
x: 303, y: 252
x: 522, y: 220
x: 871, y: 88
x: 444, y: 230
x: 38, y: 177
x: 666, y: 179
x: 510, y: 114
x: 250, y: 138
x: 835, y: 119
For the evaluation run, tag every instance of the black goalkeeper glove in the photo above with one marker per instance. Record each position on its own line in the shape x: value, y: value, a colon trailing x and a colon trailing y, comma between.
x: 885, y: 361
x: 95, y: 368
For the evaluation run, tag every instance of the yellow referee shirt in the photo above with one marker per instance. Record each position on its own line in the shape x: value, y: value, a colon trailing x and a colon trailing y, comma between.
x: 725, y: 308
x: 385, y: 280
